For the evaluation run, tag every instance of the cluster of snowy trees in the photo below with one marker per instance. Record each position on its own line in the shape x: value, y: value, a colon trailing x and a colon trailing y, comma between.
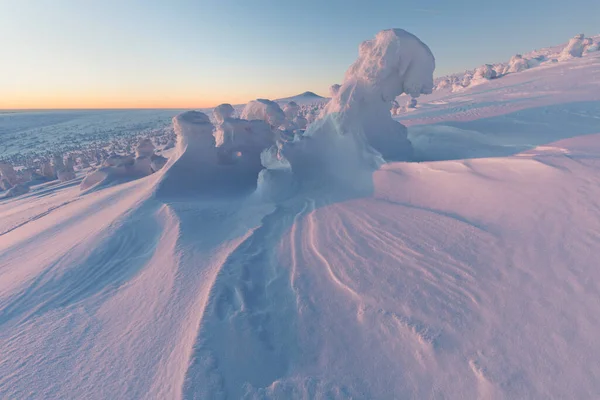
x: 117, y: 167
x: 578, y: 46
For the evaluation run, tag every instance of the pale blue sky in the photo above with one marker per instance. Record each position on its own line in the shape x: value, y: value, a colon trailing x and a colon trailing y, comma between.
x: 134, y: 53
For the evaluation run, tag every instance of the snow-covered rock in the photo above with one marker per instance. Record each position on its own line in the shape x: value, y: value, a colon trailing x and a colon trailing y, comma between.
x: 222, y: 111
x: 264, y: 110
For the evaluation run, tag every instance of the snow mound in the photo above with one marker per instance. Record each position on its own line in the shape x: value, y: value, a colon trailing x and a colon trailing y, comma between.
x: 574, y: 48
x: 264, y: 110
x: 222, y: 111
x: 220, y: 161
x: 517, y: 64
x: 592, y: 48
x: 145, y: 148
x: 334, y: 89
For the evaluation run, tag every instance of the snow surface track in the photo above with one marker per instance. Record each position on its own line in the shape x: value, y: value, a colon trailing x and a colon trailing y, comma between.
x: 469, y: 278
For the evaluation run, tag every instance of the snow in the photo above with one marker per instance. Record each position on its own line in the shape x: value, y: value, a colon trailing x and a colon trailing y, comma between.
x: 470, y: 274
x: 485, y: 72
x: 223, y: 111
x: 393, y: 63
x: 334, y: 89
x: 264, y: 110
x: 291, y: 110
x: 578, y: 46
x: 574, y: 48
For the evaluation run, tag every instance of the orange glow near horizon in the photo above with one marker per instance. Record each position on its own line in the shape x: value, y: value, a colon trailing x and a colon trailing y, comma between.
x: 31, y: 102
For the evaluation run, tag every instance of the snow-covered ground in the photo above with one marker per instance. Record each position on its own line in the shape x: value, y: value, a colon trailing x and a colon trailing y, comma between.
x: 471, y: 274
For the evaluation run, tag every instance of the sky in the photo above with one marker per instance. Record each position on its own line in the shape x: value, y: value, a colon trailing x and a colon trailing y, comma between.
x: 193, y: 54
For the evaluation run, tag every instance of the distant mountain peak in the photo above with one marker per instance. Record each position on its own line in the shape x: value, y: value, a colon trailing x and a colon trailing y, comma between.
x: 308, y: 94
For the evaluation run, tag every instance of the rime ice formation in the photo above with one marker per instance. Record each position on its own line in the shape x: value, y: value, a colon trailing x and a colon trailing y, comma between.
x: 291, y: 110
x: 64, y: 172
x: 393, y: 63
x: 486, y: 72
x: 216, y: 162
x: 8, y: 176
x: 47, y: 170
x: 222, y: 111
x: 592, y: 48
x: 145, y: 148
x: 264, y: 110
x: 355, y: 131
x: 235, y: 137
x: 334, y: 89
x: 574, y: 48
x: 517, y: 64
x: 300, y: 122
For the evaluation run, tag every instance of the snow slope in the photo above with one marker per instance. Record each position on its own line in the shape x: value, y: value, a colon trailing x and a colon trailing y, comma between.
x: 472, y: 275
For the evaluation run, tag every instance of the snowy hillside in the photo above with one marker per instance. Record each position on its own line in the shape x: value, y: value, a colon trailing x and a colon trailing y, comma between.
x: 579, y: 46
x: 319, y: 268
